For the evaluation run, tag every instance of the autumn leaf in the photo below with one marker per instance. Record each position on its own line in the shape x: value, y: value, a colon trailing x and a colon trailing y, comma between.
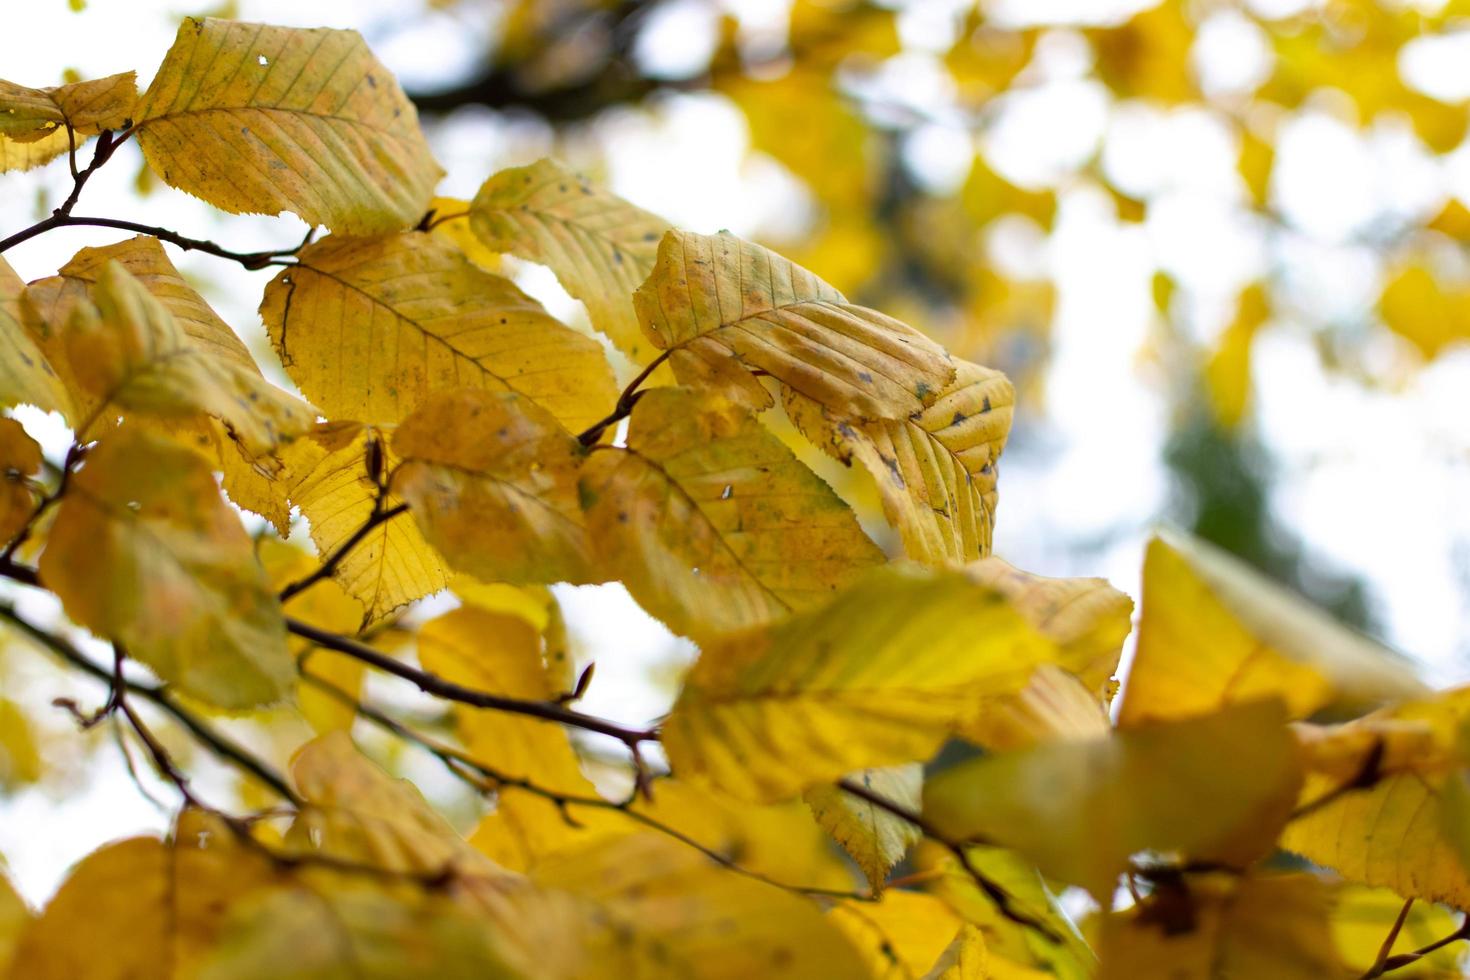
x: 712, y: 523
x: 871, y: 679
x: 902, y: 936
x: 725, y: 308
x: 257, y: 119
x: 370, y: 327
x: 876, y: 838
x: 14, y: 917
x: 26, y: 377
x: 600, y: 246
x: 28, y: 115
x: 128, y: 351
x: 328, y: 475
x: 492, y: 482
x: 1080, y: 810
x: 20, y: 462
x: 1213, y: 632
x: 936, y: 471
x: 156, y: 906
x: 145, y: 552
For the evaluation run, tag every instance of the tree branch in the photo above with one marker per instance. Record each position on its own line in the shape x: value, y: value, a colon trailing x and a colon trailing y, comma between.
x: 219, y: 744
x: 449, y: 691
x: 625, y: 404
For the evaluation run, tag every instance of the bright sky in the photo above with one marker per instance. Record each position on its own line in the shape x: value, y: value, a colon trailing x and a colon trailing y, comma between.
x: 1375, y: 482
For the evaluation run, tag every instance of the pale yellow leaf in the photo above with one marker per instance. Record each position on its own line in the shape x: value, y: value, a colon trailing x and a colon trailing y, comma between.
x: 257, y: 119
x: 680, y: 914
x: 726, y: 306
x: 146, y: 907
x: 1053, y: 706
x: 712, y: 523
x: 1086, y: 618
x: 935, y: 471
x: 370, y: 327
x: 27, y: 156
x: 877, y: 677
x: 1374, y: 804
x: 20, y: 463
x: 20, y: 754
x: 146, y: 552
x: 492, y: 482
x: 900, y: 937
x: 31, y: 114
x: 357, y: 812
x: 876, y: 839
x: 1214, y: 632
x: 1080, y: 810
x: 600, y: 246
x: 328, y: 478
x: 26, y: 376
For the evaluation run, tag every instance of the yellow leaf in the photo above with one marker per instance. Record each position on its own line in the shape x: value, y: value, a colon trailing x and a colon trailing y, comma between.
x: 20, y: 461
x: 1257, y: 156
x: 130, y: 352
x: 1426, y: 312
x: 712, y: 523
x: 1453, y: 220
x: 145, y: 552
x: 600, y: 246
x: 27, y: 156
x: 357, y: 812
x: 501, y: 654
x: 370, y: 327
x: 1080, y: 810
x: 1015, y: 952
x: 936, y: 471
x: 876, y: 839
x: 987, y: 195
x: 14, y: 918
x: 1395, y: 832
x: 1362, y: 918
x: 711, y: 299
x: 877, y: 677
x: 326, y: 606
x: 1257, y: 926
x: 357, y: 929
x: 967, y: 957
x: 31, y: 114
x: 1149, y: 56
x: 155, y: 907
x: 1053, y: 706
x: 900, y: 937
x: 451, y: 222
x: 492, y: 482
x: 537, y: 605
x: 26, y: 376
x: 679, y: 914
x: 1214, y: 632
x: 20, y: 756
x: 1086, y: 618
x: 261, y: 120
x: 327, y: 473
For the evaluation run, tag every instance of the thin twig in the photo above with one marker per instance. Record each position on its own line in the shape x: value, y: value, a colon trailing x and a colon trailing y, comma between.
x: 217, y: 743
x: 250, y: 260
x: 1387, y: 946
x: 1003, y: 900
x: 1408, y: 959
x: 625, y: 404
x: 74, y: 455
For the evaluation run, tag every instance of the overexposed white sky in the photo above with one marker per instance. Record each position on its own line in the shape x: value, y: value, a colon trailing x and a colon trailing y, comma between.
x: 1374, y: 481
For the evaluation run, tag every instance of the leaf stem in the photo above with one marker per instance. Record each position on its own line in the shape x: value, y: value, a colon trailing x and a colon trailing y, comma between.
x: 325, y: 570
x: 625, y: 404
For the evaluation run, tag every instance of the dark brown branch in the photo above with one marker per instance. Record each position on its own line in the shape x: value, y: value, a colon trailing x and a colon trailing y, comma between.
x: 1003, y: 900
x: 213, y: 740
x: 250, y: 260
x: 449, y: 691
